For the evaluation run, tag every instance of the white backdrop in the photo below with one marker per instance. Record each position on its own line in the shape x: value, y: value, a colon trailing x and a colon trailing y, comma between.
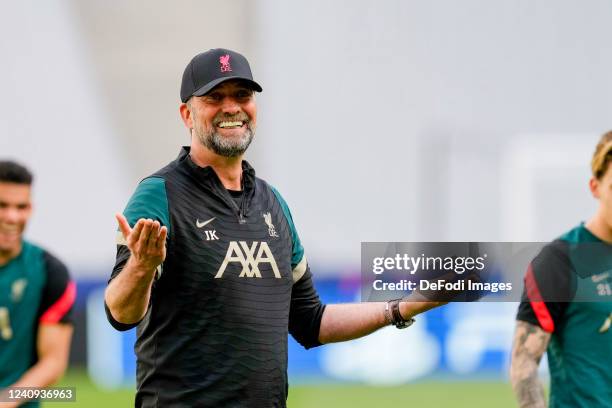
x: 379, y: 121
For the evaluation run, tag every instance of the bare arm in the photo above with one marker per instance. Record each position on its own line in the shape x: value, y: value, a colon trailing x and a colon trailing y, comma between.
x: 530, y: 342
x: 353, y: 320
x: 53, y: 347
x: 127, y: 295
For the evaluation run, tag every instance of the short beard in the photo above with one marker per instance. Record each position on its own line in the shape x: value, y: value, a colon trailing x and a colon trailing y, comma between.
x: 225, y: 147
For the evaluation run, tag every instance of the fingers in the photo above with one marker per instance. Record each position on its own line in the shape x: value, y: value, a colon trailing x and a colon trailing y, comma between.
x: 149, y: 236
x: 163, y: 233
x: 136, y: 232
x: 146, y: 240
x: 143, y: 240
x: 145, y: 231
x: 153, y: 237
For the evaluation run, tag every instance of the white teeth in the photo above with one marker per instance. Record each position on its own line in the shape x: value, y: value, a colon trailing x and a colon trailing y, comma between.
x: 230, y: 124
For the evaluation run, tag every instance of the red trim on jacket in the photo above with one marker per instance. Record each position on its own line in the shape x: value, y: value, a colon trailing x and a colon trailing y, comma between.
x: 59, y: 309
x: 537, y: 304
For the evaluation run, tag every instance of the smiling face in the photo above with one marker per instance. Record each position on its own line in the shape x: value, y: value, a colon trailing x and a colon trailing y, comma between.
x: 223, y: 120
x: 15, y: 211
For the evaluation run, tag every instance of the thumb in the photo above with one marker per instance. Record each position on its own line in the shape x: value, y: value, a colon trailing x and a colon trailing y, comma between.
x: 124, y: 226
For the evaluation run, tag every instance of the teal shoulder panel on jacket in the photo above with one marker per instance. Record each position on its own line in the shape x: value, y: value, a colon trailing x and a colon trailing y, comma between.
x: 579, y: 234
x: 149, y: 201
x: 298, y: 249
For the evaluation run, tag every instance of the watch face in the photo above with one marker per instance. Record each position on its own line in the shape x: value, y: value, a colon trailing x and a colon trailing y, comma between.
x: 404, y: 324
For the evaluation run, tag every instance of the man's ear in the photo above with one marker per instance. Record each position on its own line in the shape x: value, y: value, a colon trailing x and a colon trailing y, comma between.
x: 185, y: 112
x: 594, y: 187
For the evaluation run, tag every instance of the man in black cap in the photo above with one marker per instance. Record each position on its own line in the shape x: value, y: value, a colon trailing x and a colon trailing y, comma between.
x: 210, y: 266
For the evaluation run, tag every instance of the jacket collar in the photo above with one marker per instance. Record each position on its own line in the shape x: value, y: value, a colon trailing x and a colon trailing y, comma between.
x: 208, y: 173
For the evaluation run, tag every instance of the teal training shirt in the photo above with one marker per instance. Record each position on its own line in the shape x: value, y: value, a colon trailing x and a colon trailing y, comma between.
x: 35, y: 289
x: 580, y: 349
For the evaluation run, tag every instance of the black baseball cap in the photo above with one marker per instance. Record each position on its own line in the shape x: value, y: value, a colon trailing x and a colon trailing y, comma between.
x: 210, y: 68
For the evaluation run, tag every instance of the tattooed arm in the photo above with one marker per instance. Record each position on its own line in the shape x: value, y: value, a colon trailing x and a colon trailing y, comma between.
x: 530, y: 342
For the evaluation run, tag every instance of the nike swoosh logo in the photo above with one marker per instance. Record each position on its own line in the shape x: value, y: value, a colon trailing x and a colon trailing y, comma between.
x: 604, y: 327
x: 202, y: 224
x: 600, y: 277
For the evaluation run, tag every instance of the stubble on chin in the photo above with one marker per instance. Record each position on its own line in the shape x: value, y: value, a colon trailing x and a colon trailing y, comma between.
x: 223, y: 146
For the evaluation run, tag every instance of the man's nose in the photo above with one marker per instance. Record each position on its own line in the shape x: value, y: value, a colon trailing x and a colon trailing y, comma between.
x: 230, y: 106
x: 10, y: 215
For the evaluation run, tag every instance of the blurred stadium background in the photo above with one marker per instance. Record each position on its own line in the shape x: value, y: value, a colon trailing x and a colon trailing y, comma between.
x: 379, y: 121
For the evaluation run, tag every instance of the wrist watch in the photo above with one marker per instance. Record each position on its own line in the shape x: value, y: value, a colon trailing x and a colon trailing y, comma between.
x: 394, y: 317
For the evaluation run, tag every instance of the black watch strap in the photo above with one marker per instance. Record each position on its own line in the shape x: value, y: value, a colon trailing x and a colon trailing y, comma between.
x: 394, y: 316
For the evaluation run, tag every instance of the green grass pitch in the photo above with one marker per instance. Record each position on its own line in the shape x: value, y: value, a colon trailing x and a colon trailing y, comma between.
x: 430, y: 394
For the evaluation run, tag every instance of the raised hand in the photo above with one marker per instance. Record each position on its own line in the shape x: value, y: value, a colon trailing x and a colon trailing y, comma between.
x: 146, y: 241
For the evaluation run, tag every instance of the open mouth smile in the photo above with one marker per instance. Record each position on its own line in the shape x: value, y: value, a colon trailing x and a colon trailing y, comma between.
x: 231, y: 124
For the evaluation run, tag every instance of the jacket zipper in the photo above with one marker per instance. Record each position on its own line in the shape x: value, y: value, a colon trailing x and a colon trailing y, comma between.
x: 240, y: 211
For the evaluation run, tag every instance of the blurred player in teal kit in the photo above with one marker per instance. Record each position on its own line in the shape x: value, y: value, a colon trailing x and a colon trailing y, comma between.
x: 36, y: 296
x: 576, y: 335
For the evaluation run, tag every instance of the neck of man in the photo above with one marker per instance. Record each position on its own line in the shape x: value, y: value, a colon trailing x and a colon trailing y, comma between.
x: 599, y: 227
x: 228, y: 169
x: 6, y: 255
